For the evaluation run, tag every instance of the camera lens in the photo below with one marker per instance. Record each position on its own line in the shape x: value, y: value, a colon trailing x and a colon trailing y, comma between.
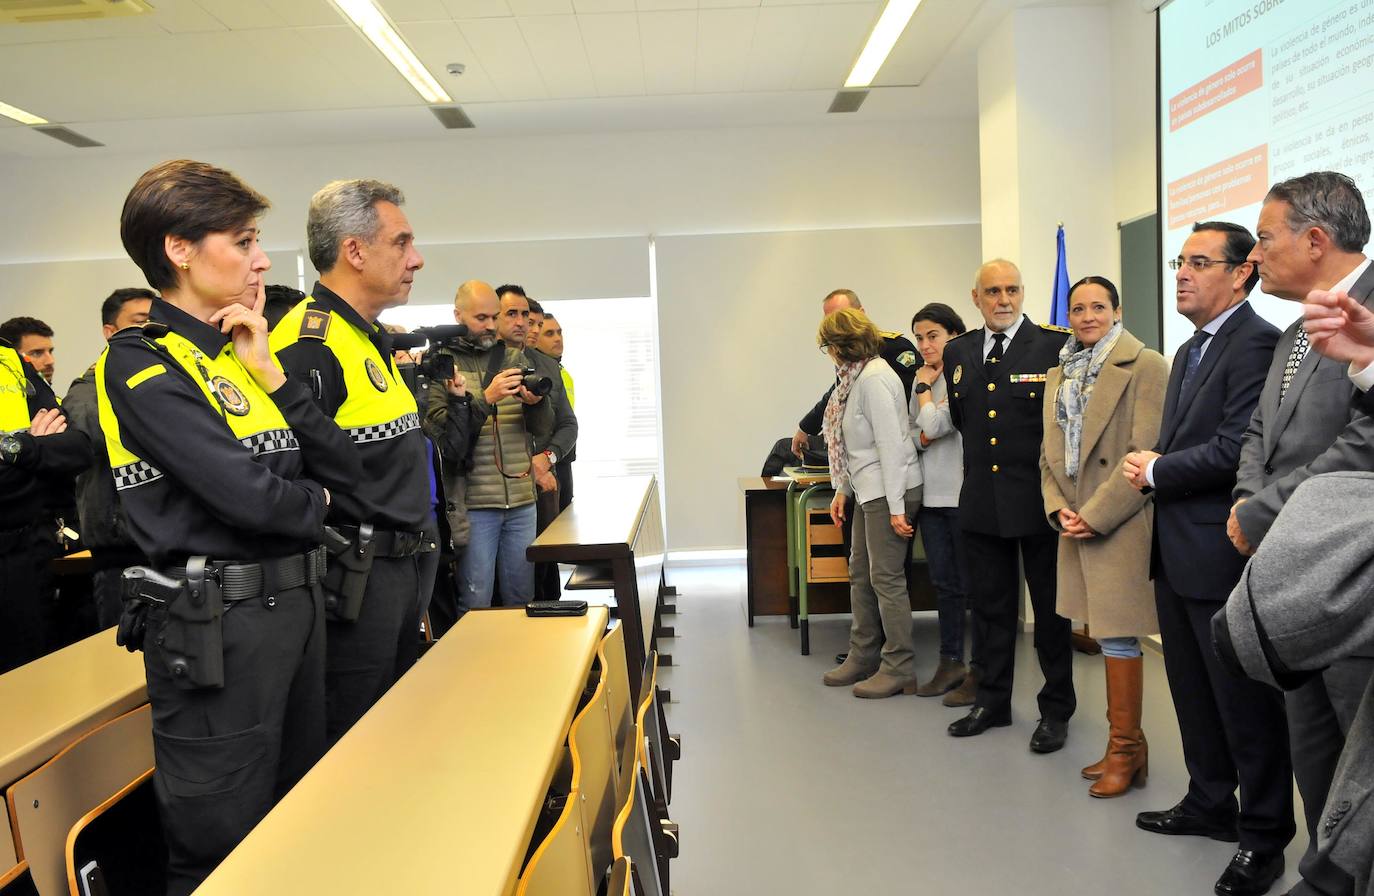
x: 538, y: 385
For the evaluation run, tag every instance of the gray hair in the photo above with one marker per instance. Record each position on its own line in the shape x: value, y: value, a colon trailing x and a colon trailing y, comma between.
x: 849, y: 294
x: 341, y: 209
x: 1326, y: 200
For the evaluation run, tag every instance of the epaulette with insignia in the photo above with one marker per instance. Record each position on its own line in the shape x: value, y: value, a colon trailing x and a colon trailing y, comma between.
x: 315, y: 325
x: 889, y: 334
x: 1053, y: 328
x: 153, y: 329
x: 960, y: 336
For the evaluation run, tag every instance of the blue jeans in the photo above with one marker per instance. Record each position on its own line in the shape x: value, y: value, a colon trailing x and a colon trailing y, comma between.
x: 944, y: 560
x: 1127, y: 648
x: 498, y: 538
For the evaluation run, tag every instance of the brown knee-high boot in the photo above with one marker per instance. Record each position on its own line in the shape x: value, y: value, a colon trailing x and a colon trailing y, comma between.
x: 1128, y: 755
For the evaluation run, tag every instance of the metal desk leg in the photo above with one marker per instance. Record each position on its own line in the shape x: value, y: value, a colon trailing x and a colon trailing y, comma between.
x: 803, y: 615
x: 792, y: 553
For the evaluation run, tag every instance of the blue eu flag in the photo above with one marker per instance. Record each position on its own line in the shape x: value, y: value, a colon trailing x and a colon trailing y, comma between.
x: 1059, y: 308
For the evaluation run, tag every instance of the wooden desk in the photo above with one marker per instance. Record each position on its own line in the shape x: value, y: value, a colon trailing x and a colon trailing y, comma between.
x: 765, y: 526
x: 53, y: 700
x: 616, y: 522
x: 437, y: 788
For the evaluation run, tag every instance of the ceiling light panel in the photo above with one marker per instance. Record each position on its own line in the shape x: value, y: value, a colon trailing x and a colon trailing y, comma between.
x: 20, y: 115
x: 890, y: 26
x: 368, y: 18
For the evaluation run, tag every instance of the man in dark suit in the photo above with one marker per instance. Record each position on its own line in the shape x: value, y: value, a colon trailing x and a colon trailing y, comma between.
x: 996, y: 380
x: 1312, y: 230
x: 1233, y: 730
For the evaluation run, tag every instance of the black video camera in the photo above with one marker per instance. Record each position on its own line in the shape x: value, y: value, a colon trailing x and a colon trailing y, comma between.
x: 435, y: 366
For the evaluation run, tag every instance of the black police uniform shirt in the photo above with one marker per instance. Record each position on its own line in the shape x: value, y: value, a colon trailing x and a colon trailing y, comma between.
x: 394, y: 491
x: 899, y: 354
x: 997, y: 408
x: 198, y: 487
x: 23, y: 486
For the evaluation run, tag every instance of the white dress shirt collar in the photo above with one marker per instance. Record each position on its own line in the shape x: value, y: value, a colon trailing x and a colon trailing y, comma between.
x: 1009, y: 332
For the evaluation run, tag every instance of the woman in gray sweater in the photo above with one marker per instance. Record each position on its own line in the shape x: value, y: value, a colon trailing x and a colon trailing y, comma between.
x: 873, y: 458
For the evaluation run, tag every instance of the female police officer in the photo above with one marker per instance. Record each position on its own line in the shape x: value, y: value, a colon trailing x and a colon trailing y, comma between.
x: 210, y: 446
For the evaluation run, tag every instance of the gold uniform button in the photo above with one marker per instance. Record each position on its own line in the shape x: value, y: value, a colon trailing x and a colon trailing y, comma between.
x: 992, y: 415
x: 1032, y: 395
x: 992, y: 387
x: 995, y: 468
x: 992, y: 441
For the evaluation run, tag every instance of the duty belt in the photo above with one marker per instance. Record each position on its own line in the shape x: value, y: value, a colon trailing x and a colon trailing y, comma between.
x: 245, y: 581
x: 389, y: 543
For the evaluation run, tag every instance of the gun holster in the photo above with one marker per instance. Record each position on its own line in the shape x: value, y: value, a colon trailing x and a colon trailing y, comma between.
x: 184, y: 616
x: 345, y: 579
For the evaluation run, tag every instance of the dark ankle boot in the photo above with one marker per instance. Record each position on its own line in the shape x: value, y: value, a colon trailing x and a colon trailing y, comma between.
x: 948, y: 676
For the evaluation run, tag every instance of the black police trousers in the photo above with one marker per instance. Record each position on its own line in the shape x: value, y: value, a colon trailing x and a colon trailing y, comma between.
x: 23, y: 616
x: 226, y: 755
x: 362, y: 657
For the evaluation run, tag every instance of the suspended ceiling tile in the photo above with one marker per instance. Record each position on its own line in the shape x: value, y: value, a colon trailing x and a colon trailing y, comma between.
x: 835, y: 35
x: 724, y: 37
x: 936, y: 25
x: 501, y: 49
x: 439, y: 43
x: 298, y: 14
x: 241, y: 15
x: 541, y: 7
x: 591, y: 7
x: 183, y: 17
x: 613, y: 49
x: 669, y: 40
x: 779, y: 44
x: 555, y: 43
x: 415, y: 10
x: 461, y: 10
x: 662, y: 5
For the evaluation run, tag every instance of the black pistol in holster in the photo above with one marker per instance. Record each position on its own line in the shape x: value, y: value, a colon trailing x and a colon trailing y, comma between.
x: 345, y: 579
x: 184, y: 618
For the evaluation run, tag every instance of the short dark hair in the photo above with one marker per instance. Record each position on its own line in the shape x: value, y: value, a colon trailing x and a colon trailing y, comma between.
x: 1239, y: 243
x: 186, y: 199
x: 1094, y: 280
x: 535, y: 307
x: 511, y: 287
x: 279, y: 300
x: 115, y: 302
x: 942, y: 314
x: 1327, y: 200
x: 16, y: 328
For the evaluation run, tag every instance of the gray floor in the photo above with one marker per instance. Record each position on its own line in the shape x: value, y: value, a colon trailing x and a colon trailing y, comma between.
x: 789, y: 787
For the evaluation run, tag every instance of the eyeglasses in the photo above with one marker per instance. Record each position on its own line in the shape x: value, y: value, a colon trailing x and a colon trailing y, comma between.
x: 824, y: 347
x: 1200, y: 262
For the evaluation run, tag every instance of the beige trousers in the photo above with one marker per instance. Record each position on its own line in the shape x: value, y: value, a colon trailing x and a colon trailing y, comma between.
x: 877, y: 588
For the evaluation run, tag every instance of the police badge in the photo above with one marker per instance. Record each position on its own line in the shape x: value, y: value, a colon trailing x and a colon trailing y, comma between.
x: 231, y: 397
x: 958, y: 373
x: 374, y: 373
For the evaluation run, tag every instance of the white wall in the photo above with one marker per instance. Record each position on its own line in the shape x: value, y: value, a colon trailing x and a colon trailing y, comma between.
x: 737, y: 324
x: 60, y: 251
x: 1133, y: 110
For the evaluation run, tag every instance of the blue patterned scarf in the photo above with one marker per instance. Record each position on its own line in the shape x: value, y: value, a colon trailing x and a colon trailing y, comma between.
x: 1080, y: 365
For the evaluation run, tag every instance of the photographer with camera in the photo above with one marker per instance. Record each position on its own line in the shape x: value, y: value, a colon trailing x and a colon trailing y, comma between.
x: 363, y: 246
x: 493, y: 482
x: 514, y: 326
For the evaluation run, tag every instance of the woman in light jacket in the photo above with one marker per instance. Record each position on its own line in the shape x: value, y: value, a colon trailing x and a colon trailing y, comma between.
x: 873, y: 458
x: 940, y: 449
x: 1108, y: 400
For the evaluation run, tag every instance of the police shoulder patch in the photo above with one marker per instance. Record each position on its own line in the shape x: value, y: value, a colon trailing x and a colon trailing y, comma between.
x: 1055, y: 329
x: 906, y: 359
x: 315, y: 325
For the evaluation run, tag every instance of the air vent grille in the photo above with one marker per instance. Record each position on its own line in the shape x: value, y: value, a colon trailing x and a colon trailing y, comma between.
x: 67, y: 136
x: 848, y: 101
x: 452, y: 117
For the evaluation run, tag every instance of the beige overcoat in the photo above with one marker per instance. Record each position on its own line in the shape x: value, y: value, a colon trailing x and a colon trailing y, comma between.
x: 1105, y: 580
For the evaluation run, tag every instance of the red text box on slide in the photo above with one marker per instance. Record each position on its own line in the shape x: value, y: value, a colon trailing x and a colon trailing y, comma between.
x: 1229, y: 184
x: 1243, y: 76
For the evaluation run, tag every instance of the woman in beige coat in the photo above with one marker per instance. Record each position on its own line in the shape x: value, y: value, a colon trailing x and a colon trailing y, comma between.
x: 1108, y: 400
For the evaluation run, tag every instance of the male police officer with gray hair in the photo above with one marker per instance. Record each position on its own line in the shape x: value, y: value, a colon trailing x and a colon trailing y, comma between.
x: 362, y: 245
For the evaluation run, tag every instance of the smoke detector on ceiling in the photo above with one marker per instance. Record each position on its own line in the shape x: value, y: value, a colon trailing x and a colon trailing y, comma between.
x: 21, y: 12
